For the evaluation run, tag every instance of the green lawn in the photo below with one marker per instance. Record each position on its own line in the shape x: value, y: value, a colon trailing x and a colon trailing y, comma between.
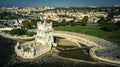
x: 94, y: 30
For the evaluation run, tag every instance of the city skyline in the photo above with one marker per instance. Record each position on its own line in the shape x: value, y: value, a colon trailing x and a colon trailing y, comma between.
x: 59, y: 3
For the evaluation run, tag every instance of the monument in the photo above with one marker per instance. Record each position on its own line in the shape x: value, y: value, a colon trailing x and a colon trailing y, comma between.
x: 42, y: 44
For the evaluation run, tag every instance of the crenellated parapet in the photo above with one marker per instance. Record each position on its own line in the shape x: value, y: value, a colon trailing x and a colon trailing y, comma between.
x: 44, y: 33
x: 44, y: 26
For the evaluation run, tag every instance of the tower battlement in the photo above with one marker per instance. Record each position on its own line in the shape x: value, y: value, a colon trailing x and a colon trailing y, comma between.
x: 44, y: 33
x: 44, y: 25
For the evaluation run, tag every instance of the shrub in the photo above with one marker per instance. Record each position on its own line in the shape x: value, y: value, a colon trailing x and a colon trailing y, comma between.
x: 26, y: 24
x: 64, y: 23
x: 118, y: 23
x: 72, y: 23
x: 30, y: 33
x: 102, y: 21
x: 110, y: 27
x: 54, y: 23
x: 17, y: 32
x: 84, y: 21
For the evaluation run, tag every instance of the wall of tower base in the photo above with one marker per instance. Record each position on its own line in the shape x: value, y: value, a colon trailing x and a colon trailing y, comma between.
x: 32, y: 57
x: 32, y: 54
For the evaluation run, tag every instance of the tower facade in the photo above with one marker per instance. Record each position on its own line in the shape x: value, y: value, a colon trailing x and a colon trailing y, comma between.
x: 42, y: 44
x: 44, y: 33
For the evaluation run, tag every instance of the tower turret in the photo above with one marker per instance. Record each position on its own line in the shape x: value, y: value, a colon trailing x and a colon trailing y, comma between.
x: 44, y: 33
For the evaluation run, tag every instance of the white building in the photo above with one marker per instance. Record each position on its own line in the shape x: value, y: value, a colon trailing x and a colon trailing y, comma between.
x: 42, y: 44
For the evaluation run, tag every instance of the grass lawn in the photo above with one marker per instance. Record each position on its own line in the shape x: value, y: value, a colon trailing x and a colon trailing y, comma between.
x: 94, y: 30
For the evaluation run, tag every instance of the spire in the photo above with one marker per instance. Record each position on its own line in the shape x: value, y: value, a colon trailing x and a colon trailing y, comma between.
x: 51, y: 23
x: 18, y: 43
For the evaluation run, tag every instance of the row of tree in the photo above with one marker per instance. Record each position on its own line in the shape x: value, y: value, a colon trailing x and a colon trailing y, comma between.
x: 83, y: 22
x: 21, y: 31
x: 107, y: 24
x: 28, y: 24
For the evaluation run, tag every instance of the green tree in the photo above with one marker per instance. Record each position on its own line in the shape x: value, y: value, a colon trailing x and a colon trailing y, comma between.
x: 17, y: 31
x: 72, y: 22
x: 110, y: 27
x: 64, y: 22
x: 54, y: 23
x: 107, y: 25
x: 118, y: 24
x: 34, y: 22
x: 30, y: 33
x: 110, y: 15
x: 26, y: 24
x: 84, y: 21
x: 79, y: 22
x: 102, y: 20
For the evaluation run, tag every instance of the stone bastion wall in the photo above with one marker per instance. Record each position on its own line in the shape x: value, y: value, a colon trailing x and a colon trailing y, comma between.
x: 33, y: 53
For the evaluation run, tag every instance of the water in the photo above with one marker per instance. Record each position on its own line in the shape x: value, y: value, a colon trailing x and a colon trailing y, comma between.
x: 6, y: 50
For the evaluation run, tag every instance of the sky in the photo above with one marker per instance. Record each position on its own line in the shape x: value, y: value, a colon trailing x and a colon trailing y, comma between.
x: 58, y: 3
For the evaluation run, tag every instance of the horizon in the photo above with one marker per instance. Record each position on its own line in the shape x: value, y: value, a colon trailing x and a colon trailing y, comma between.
x: 57, y: 3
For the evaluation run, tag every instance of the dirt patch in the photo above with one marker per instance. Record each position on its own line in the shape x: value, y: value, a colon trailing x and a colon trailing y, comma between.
x: 64, y: 42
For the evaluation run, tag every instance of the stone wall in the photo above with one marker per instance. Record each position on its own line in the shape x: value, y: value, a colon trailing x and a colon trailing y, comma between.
x: 99, y: 44
x: 30, y: 55
x: 17, y: 37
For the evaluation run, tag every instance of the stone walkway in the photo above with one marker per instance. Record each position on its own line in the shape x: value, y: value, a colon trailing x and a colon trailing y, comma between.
x: 107, y: 50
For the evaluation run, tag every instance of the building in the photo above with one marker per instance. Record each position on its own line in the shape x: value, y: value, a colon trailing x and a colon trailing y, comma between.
x: 117, y: 18
x: 42, y: 44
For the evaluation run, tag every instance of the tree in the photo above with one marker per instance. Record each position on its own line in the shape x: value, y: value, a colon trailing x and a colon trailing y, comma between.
x: 34, y: 22
x: 84, y: 21
x: 17, y: 31
x: 26, y: 24
x: 30, y: 33
x: 54, y: 23
x: 64, y: 22
x: 72, y: 22
x: 110, y: 27
x: 110, y: 15
x: 118, y: 24
x: 78, y: 22
x: 102, y: 20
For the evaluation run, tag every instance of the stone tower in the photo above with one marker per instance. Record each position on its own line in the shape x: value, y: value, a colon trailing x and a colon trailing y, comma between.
x: 44, y: 33
x: 42, y: 44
